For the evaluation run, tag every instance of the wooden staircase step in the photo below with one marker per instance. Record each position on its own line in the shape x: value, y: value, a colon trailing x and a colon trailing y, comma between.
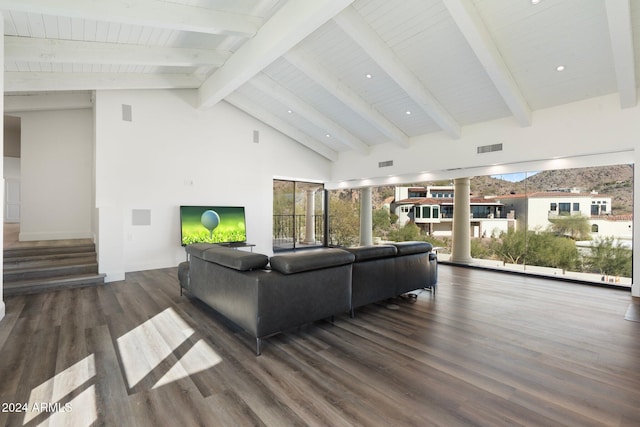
x: 38, y: 261
x: 52, y: 284
x: 49, y: 271
x: 26, y: 251
x: 31, y: 267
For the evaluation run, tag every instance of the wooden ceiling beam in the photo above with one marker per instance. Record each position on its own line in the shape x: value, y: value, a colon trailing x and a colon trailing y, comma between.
x: 330, y: 83
x: 152, y: 13
x: 70, y: 51
x: 303, y: 109
x: 36, y: 82
x: 358, y: 30
x: 288, y: 27
x: 621, y: 34
x: 470, y: 24
x: 240, y: 102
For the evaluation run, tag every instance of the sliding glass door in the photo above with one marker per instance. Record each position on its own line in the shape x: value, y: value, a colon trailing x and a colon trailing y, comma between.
x: 298, y: 215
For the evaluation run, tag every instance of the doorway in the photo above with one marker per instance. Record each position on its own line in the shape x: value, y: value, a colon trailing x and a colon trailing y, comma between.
x: 298, y: 215
x: 11, y: 175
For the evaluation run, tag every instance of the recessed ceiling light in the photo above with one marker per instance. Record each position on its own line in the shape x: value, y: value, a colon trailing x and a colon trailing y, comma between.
x: 408, y: 113
x: 560, y: 68
x: 328, y: 135
x: 535, y: 1
x: 369, y: 76
x: 289, y: 111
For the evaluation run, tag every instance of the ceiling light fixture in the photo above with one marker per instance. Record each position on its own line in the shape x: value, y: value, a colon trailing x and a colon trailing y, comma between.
x: 328, y: 135
x: 289, y: 111
x: 408, y: 113
x: 535, y: 1
x: 369, y: 76
x: 560, y: 68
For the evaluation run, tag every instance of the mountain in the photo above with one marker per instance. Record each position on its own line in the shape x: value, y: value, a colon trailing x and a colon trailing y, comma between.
x: 614, y: 181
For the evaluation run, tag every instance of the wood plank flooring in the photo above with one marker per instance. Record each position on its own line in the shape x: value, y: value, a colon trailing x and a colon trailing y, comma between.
x: 491, y: 349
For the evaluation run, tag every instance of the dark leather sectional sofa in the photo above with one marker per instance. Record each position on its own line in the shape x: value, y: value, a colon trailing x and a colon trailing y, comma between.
x: 386, y: 271
x: 266, y: 296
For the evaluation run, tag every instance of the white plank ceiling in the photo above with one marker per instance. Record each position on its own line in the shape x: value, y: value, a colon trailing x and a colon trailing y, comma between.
x: 335, y: 75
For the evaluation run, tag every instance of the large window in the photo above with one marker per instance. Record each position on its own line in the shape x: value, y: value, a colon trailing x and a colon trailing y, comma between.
x: 574, y: 223
x: 550, y: 235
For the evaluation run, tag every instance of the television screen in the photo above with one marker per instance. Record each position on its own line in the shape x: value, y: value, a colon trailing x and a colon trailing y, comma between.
x: 212, y: 224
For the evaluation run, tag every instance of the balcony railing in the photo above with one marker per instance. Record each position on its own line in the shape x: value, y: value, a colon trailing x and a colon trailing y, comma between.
x: 289, y: 231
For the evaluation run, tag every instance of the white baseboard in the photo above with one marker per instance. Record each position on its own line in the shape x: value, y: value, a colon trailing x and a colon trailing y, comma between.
x: 114, y: 277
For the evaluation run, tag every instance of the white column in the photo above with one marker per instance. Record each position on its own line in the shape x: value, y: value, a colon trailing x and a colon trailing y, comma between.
x: 2, y: 307
x: 310, y: 231
x: 366, y: 217
x: 461, y: 244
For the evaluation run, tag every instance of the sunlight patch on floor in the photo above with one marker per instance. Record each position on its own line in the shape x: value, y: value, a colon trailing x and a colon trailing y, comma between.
x: 51, y: 397
x: 149, y: 348
x: 199, y: 358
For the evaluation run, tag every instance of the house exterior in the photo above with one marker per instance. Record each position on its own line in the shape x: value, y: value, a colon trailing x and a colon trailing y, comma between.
x: 535, y: 210
x: 431, y: 209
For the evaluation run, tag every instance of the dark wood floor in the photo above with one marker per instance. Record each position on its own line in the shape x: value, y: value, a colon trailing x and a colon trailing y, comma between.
x: 490, y: 349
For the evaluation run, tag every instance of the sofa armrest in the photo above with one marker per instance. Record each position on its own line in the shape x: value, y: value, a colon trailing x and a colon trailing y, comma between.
x: 407, y: 248
x: 313, y: 259
x: 369, y: 253
x: 238, y: 260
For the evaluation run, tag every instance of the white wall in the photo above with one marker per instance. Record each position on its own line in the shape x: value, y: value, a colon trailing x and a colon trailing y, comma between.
x: 56, y: 174
x: 171, y: 154
x: 595, y: 132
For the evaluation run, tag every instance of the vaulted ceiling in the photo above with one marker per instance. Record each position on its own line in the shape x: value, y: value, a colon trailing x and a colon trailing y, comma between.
x: 335, y: 75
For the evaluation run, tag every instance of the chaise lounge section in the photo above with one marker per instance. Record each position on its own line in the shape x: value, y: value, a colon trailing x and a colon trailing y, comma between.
x: 385, y: 271
x: 299, y: 287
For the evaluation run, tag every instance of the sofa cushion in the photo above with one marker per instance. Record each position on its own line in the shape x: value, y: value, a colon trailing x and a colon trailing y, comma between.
x: 313, y: 259
x: 236, y: 259
x: 197, y: 249
x: 368, y: 253
x: 407, y: 248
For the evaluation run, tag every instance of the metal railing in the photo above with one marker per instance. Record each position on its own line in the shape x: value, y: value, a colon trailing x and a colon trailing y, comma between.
x: 289, y: 231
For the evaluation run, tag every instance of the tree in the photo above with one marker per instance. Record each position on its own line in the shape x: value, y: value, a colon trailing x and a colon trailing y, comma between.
x: 381, y: 222
x: 511, y: 247
x: 549, y: 250
x: 574, y: 226
x: 482, y: 249
x: 344, y: 222
x: 610, y: 258
x: 407, y: 232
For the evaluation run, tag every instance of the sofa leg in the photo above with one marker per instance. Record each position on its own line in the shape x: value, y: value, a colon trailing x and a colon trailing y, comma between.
x: 258, y: 346
x: 352, y: 313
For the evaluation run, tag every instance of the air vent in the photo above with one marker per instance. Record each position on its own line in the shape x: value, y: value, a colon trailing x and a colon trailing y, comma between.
x: 126, y: 113
x: 385, y: 164
x: 489, y: 148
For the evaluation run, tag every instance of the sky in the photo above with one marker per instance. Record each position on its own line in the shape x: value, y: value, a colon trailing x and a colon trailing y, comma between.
x: 514, y: 177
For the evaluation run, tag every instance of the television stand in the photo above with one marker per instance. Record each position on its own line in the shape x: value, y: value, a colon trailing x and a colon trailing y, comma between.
x: 237, y: 245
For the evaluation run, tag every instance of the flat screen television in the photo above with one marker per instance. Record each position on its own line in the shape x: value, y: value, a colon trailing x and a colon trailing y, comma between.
x: 212, y: 224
